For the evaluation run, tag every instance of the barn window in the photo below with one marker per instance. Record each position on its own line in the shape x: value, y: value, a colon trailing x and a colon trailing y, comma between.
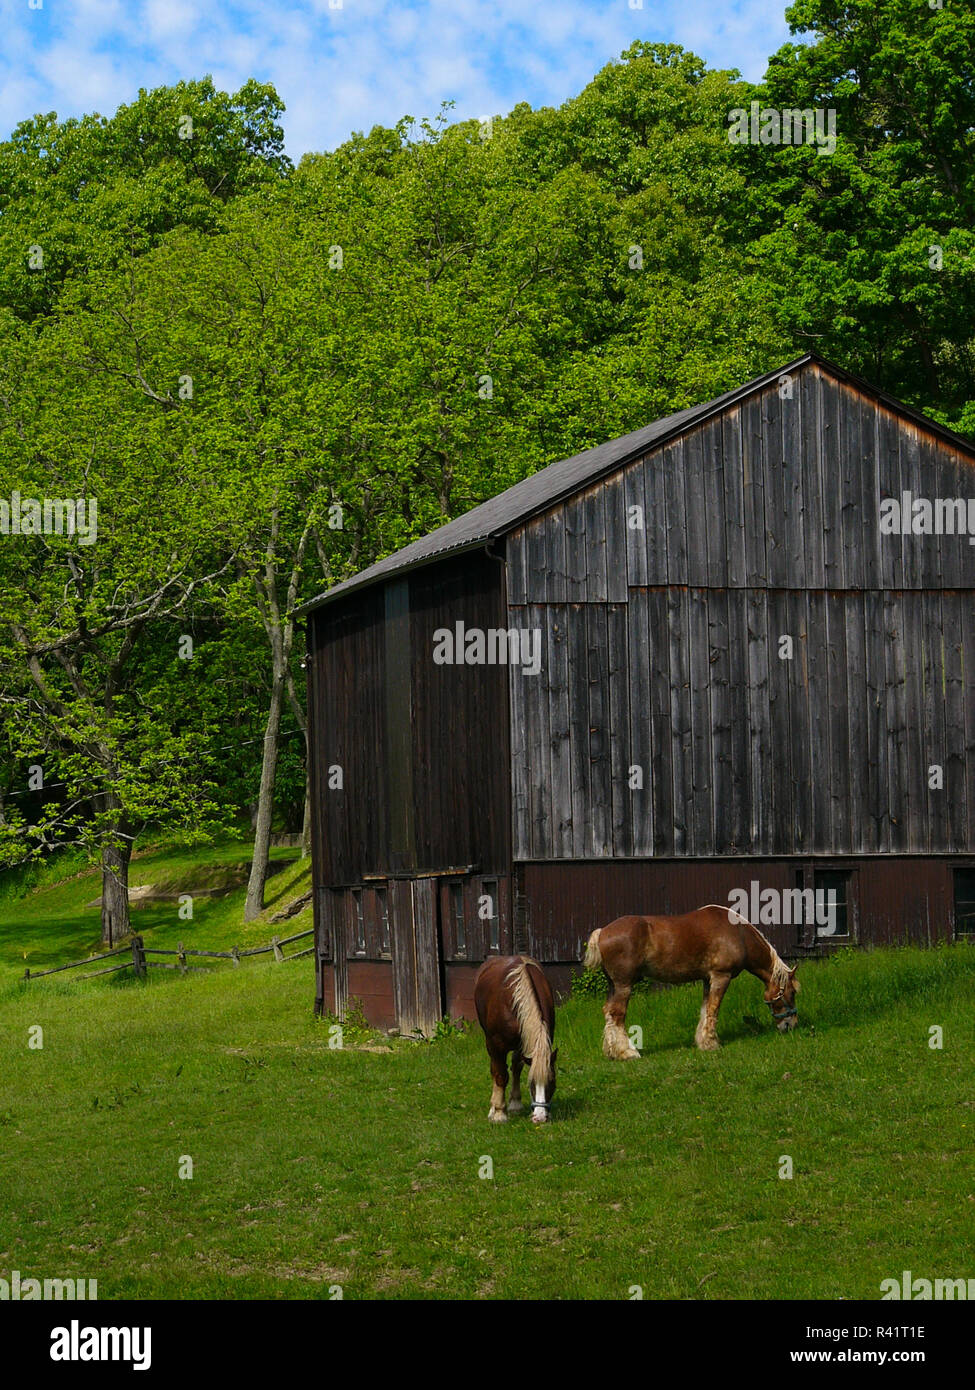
x: 384, y: 943
x: 360, y: 922
x: 820, y: 888
x: 965, y: 902
x: 457, y: 911
x: 489, y: 889
x: 833, y: 886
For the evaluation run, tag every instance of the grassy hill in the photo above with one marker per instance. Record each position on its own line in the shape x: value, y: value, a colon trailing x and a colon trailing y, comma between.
x: 57, y: 919
x: 316, y: 1167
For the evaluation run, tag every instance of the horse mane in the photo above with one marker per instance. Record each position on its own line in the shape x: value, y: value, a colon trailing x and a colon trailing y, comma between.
x: 780, y: 972
x: 535, y: 1041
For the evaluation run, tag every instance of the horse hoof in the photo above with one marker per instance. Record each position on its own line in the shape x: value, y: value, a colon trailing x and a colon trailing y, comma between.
x: 497, y: 1117
x: 709, y: 1045
x: 515, y: 1107
x: 631, y: 1053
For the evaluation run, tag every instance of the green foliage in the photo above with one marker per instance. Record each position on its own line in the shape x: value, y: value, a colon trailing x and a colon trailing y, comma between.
x: 391, y: 333
x: 448, y: 1028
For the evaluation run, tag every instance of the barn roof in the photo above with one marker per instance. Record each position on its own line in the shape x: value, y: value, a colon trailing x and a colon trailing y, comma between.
x: 550, y: 485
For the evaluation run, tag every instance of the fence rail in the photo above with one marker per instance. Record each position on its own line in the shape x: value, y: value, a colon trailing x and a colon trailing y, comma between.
x: 138, y: 954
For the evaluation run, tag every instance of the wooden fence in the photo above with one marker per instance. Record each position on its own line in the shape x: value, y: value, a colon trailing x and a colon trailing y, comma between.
x: 137, y: 957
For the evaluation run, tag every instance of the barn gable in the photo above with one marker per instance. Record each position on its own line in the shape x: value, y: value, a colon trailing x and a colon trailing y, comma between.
x: 666, y: 592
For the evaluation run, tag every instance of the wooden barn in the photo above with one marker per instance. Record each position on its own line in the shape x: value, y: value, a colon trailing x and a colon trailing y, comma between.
x: 733, y: 651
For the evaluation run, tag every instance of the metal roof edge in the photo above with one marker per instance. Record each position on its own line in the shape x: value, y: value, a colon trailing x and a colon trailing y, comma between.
x: 695, y: 416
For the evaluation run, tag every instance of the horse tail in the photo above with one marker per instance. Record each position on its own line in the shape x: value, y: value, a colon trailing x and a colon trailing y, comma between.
x: 535, y: 1040
x: 593, y: 957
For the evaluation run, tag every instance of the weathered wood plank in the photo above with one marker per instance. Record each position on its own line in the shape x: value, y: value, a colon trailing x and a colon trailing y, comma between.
x: 696, y: 505
x: 753, y: 492
x: 724, y: 827
x: 702, y: 805
x: 540, y: 703
x: 641, y: 706
x: 877, y: 836
x: 674, y: 513
x: 760, y: 716
x: 934, y: 833
x: 811, y: 461
x: 614, y: 515
x: 578, y: 669
x: 799, y: 603
x: 738, y: 745
x: 519, y: 692
x: 734, y: 495
x: 681, y: 729
x: 712, y: 438
x: 831, y: 485
x: 597, y: 559
x: 658, y: 710
x: 576, y: 556
x: 635, y: 507
x: 898, y: 785
x: 559, y: 732
x: 774, y: 411
x: 600, y: 781
x: 618, y: 656
x: 958, y: 765
x: 780, y: 625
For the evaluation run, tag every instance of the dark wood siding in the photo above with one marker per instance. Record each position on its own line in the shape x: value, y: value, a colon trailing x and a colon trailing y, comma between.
x: 346, y: 704
x: 666, y: 651
x: 900, y: 902
x: 423, y: 748
x: 460, y: 723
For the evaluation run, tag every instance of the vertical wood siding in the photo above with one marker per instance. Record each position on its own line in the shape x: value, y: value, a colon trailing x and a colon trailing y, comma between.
x: 663, y: 645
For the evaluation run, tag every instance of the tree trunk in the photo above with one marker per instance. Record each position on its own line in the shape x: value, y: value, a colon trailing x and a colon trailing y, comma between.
x: 254, y: 905
x: 115, y: 891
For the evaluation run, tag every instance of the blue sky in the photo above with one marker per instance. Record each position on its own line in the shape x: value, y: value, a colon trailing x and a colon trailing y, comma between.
x: 344, y: 65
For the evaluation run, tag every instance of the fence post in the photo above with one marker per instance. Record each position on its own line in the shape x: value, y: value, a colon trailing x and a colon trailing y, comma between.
x: 235, y: 954
x: 278, y: 953
x: 138, y: 956
x: 27, y: 974
x: 181, y: 958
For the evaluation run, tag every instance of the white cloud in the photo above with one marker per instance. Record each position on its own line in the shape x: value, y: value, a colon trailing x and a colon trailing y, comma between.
x: 367, y: 63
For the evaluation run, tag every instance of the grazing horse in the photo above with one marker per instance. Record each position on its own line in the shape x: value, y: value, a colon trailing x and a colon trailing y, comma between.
x: 517, y: 1012
x: 713, y: 944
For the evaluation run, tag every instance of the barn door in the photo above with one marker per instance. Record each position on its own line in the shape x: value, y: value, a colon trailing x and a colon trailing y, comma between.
x: 333, y: 910
x: 416, y: 954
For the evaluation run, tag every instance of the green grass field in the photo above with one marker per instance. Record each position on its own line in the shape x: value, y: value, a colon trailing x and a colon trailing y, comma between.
x: 315, y: 1167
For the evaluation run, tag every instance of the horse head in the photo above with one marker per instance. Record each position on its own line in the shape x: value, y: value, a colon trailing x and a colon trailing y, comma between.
x: 780, y: 996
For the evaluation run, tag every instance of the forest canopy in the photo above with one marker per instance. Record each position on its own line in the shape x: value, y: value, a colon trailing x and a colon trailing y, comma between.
x: 269, y: 375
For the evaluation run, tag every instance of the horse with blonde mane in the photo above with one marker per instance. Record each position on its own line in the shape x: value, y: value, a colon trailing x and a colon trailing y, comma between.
x: 713, y: 944
x: 516, y: 1010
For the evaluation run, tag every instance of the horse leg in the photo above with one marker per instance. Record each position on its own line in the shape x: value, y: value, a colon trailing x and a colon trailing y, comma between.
x: 706, y: 1036
x: 499, y: 1075
x: 615, y: 1042
x: 515, y: 1106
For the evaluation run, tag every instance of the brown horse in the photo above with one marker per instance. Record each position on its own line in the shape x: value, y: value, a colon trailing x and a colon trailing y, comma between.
x: 713, y: 944
x: 517, y: 1012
